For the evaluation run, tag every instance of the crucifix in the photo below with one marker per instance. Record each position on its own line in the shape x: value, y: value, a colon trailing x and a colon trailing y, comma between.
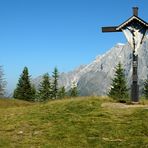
x: 134, y: 30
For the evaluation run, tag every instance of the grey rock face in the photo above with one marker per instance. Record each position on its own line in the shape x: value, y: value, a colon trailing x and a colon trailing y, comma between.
x: 95, y: 78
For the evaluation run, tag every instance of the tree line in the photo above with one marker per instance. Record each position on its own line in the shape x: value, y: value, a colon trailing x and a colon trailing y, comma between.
x: 48, y: 88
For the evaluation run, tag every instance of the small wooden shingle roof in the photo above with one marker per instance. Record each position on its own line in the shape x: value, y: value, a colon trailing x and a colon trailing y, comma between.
x: 130, y: 20
x: 133, y: 20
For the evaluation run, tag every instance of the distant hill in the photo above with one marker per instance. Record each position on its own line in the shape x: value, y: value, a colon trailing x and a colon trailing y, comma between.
x: 80, y: 122
x: 95, y: 78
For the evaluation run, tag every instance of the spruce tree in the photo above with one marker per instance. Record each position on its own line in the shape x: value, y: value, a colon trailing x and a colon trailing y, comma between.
x: 119, y: 90
x: 23, y: 90
x: 2, y: 82
x: 62, y: 93
x: 55, y: 77
x: 33, y: 93
x: 74, y: 90
x: 145, y: 90
x: 44, y: 92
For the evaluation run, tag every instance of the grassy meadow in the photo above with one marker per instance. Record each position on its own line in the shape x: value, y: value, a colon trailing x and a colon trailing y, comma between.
x: 85, y: 122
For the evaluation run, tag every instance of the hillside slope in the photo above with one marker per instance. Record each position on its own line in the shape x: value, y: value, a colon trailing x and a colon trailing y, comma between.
x: 84, y: 122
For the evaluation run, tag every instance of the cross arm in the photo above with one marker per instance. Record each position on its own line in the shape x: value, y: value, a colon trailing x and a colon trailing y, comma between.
x: 110, y: 29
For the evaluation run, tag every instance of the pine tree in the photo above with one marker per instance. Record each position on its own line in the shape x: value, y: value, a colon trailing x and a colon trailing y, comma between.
x: 145, y: 90
x: 2, y: 82
x: 55, y: 77
x: 23, y: 90
x: 74, y: 90
x: 33, y: 93
x: 119, y: 90
x: 45, y: 89
x: 62, y: 93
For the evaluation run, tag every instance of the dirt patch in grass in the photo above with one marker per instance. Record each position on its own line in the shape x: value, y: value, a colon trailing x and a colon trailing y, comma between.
x: 121, y: 105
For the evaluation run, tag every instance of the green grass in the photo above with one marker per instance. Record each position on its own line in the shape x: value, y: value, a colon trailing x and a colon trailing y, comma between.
x: 9, y: 103
x: 70, y: 123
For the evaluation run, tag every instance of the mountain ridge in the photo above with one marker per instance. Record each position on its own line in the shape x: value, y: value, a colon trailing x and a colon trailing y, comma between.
x: 95, y: 77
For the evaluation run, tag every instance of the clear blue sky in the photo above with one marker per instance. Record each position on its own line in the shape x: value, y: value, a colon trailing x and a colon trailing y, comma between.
x: 42, y: 34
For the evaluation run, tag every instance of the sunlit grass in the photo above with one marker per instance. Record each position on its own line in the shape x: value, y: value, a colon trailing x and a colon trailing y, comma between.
x: 75, y: 122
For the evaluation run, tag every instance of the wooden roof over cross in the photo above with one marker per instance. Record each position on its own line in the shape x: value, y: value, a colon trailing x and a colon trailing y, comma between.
x: 132, y: 20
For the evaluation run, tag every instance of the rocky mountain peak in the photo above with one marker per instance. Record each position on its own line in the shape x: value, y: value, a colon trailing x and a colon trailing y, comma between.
x: 95, y: 77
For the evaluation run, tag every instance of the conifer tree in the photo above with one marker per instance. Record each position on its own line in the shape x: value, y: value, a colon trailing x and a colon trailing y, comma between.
x: 2, y: 82
x: 45, y: 88
x: 119, y: 90
x: 145, y: 90
x: 23, y: 90
x: 62, y: 93
x: 74, y: 90
x: 33, y: 93
x: 55, y: 77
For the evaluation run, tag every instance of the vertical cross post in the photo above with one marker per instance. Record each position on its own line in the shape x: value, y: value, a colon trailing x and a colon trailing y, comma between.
x: 135, y: 86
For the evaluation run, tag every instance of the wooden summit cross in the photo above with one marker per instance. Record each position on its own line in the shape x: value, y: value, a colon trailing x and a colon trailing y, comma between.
x: 135, y: 30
